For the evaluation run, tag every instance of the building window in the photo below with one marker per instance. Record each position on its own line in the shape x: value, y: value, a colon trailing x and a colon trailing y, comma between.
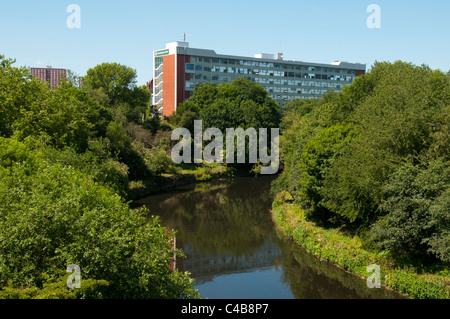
x: 158, y: 62
x: 190, y: 85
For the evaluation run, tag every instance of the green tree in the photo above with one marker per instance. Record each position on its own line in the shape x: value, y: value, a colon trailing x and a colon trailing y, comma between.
x: 52, y: 215
x: 65, y: 116
x: 240, y: 103
x: 318, y: 155
x: 417, y: 221
x: 204, y: 94
x: 398, y: 113
x: 396, y: 121
x: 115, y: 80
x: 121, y: 146
x: 20, y: 94
x: 65, y: 163
x: 299, y: 106
x: 223, y: 113
x: 114, y: 85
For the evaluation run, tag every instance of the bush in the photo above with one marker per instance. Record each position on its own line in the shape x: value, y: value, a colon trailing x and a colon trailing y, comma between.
x: 417, y: 220
x: 317, y: 157
x: 105, y: 171
x: 52, y: 215
x: 398, y: 111
x: 375, y: 158
x: 156, y: 159
x: 417, y: 286
x: 57, y: 289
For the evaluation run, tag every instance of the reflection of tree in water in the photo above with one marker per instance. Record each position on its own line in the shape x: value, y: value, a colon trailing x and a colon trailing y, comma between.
x: 228, y: 228
x: 309, y: 277
x: 225, y: 216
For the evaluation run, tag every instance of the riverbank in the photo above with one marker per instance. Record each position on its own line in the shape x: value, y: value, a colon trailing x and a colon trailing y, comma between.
x: 347, y: 252
x: 234, y: 251
x: 183, y: 175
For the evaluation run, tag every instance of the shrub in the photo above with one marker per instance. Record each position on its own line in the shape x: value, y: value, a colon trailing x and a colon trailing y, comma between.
x: 417, y: 220
x: 53, y: 215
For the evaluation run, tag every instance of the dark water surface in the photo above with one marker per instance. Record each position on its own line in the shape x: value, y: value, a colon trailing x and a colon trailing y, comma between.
x: 233, y: 250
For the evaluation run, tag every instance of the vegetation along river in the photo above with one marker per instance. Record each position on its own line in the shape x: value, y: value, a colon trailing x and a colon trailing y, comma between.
x: 233, y: 249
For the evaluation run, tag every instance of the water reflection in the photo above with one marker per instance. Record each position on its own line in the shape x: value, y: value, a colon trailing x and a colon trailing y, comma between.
x: 233, y: 250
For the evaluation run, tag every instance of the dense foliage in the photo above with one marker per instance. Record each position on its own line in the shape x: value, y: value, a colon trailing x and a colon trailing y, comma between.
x: 375, y: 159
x: 240, y: 103
x: 66, y: 157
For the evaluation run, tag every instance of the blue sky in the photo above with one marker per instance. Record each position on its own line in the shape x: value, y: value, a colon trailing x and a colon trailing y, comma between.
x: 34, y: 32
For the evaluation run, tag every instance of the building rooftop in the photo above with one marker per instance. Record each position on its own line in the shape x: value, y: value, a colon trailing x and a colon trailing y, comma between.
x: 183, y: 48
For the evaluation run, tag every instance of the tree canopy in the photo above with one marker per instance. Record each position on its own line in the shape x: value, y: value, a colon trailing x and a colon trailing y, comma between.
x: 67, y: 156
x: 114, y: 85
x: 369, y: 155
x: 240, y: 103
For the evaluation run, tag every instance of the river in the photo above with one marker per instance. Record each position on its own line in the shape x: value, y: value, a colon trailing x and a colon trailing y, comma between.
x: 234, y: 251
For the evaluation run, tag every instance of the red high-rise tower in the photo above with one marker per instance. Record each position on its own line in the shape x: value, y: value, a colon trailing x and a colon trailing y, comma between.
x: 49, y: 75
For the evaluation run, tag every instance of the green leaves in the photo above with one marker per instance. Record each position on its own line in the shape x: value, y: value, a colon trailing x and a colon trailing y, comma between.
x: 345, y: 152
x: 114, y: 86
x: 53, y: 215
x: 318, y: 155
x: 240, y: 103
x: 66, y: 156
x: 418, y: 219
x: 113, y: 78
x: 19, y: 95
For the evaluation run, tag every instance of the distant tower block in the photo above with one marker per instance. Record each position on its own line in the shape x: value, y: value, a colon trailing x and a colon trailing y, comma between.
x: 52, y: 77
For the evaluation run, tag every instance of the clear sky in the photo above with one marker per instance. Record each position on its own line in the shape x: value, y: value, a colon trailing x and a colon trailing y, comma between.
x: 35, y: 33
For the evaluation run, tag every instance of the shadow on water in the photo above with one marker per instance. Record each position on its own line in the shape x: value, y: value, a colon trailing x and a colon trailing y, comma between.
x: 233, y: 250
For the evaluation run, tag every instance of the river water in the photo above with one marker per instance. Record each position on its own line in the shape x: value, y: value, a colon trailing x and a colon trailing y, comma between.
x: 234, y: 251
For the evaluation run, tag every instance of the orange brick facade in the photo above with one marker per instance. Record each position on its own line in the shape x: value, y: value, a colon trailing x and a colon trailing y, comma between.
x: 169, y: 85
x: 174, y: 73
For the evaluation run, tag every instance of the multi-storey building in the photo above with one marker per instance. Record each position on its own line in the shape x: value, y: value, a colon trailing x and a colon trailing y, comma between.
x: 49, y: 75
x: 179, y: 68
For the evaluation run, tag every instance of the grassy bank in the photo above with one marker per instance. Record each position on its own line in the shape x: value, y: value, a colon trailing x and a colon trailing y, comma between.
x: 181, y: 175
x: 348, y: 253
